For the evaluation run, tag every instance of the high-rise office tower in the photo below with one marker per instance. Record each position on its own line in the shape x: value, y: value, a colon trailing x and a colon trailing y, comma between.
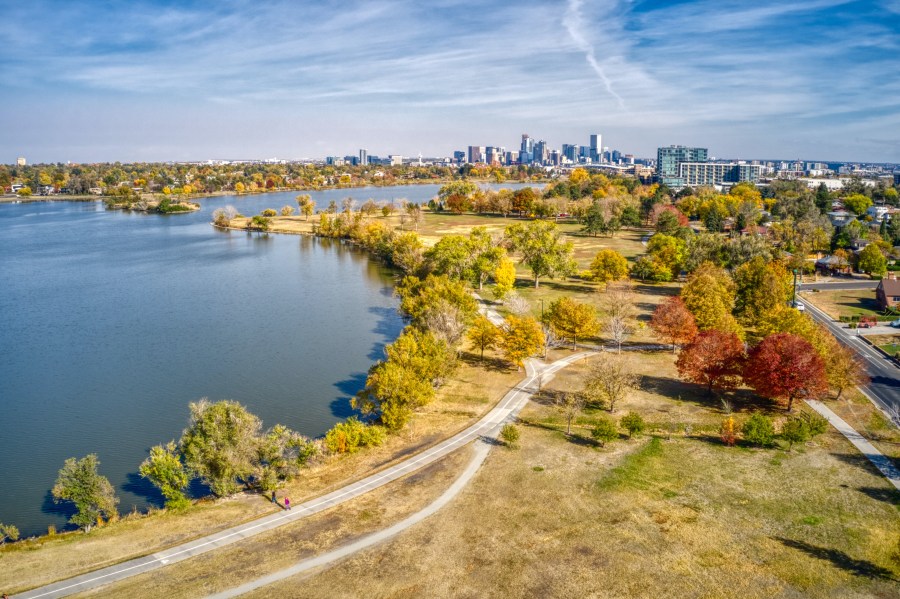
x: 526, y: 151
x: 476, y: 154
x: 595, y: 146
x: 363, y: 157
x: 570, y: 152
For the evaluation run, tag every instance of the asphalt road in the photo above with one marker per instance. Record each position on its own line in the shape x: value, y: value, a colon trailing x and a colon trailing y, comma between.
x: 884, y: 390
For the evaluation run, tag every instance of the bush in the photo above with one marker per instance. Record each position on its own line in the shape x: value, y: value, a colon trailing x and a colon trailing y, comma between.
x: 795, y: 430
x: 605, y: 431
x: 759, y: 430
x: 287, y: 211
x: 815, y: 423
x: 728, y: 432
x: 633, y: 423
x: 8, y: 531
x: 350, y: 435
x: 269, y: 212
x: 510, y: 435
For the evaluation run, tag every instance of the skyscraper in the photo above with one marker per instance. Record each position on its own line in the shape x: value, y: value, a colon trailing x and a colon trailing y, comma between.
x: 668, y: 159
x: 595, y: 147
x: 364, y: 157
x: 526, y: 151
x: 476, y: 154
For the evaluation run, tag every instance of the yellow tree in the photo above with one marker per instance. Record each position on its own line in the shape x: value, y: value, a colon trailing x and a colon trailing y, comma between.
x: 572, y: 319
x: 483, y: 334
x: 761, y: 286
x: 504, y: 278
x: 522, y: 338
x: 709, y: 294
x: 607, y: 266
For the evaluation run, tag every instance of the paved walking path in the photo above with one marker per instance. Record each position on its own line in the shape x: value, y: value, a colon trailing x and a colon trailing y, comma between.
x: 862, y: 444
x: 488, y: 425
x: 517, y: 397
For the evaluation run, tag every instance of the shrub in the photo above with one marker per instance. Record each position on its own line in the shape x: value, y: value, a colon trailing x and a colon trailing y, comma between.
x: 287, y: 211
x: 633, y: 423
x: 728, y: 431
x: 815, y: 423
x: 8, y: 531
x: 759, y: 430
x: 350, y: 435
x: 795, y: 430
x: 269, y: 212
x: 510, y: 435
x: 605, y: 431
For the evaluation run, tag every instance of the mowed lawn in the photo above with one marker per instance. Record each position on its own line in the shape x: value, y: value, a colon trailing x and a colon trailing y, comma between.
x: 845, y: 302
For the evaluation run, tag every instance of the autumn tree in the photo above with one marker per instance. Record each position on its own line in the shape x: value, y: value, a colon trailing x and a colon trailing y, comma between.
x: 168, y: 473
x: 419, y: 297
x: 504, y: 278
x: 220, y: 444
x: 450, y: 256
x: 673, y: 322
x: 617, y: 308
x: 872, y: 261
x: 79, y: 483
x: 609, y: 380
x: 306, y: 204
x: 485, y: 256
x: 668, y: 251
x: 857, y: 203
x: 287, y: 211
x: 760, y: 287
x: 572, y: 319
x: 714, y: 359
x: 541, y: 248
x: 710, y: 294
x: 408, y: 252
x: 521, y: 338
x: 607, y: 266
x: 784, y: 367
x: 843, y: 368
x: 728, y: 431
x: 281, y: 453
x: 483, y: 334
x: 570, y: 406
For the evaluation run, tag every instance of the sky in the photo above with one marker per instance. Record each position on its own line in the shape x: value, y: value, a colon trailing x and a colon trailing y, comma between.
x: 160, y: 80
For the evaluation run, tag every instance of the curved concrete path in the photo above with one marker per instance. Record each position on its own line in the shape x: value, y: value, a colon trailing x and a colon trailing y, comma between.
x: 487, y: 426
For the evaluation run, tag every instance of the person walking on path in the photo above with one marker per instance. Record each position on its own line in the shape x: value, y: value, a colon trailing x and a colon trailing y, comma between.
x: 274, y: 500
x: 287, y: 503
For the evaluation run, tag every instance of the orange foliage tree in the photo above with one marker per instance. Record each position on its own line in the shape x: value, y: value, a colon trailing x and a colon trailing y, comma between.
x: 784, y: 367
x: 714, y: 358
x: 673, y: 322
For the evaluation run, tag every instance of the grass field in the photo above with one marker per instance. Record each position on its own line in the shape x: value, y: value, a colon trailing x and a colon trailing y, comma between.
x: 845, y: 302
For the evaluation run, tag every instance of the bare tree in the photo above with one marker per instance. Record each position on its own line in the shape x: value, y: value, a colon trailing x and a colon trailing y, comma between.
x: 415, y: 213
x: 618, y: 310
x: 570, y: 405
x: 609, y: 380
x: 348, y: 204
x: 446, y: 322
x: 517, y: 304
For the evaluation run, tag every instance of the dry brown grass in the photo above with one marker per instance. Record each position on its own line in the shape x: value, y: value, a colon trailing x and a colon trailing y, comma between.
x: 845, y: 302
x: 685, y: 517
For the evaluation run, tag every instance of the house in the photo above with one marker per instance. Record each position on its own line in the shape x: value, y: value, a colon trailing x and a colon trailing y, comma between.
x: 831, y: 265
x: 888, y: 292
x: 878, y: 212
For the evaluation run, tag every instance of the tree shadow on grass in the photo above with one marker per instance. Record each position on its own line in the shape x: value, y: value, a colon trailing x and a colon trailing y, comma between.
x: 489, y: 363
x: 741, y: 400
x: 568, y: 286
x: 574, y: 438
x: 860, y: 461
x: 840, y: 560
x: 887, y: 495
x: 645, y: 289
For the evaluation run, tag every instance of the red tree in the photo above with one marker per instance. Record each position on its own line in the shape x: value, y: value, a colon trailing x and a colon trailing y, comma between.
x: 785, y: 367
x: 714, y: 359
x: 673, y: 322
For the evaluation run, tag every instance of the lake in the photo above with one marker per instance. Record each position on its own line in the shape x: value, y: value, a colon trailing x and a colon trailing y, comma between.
x: 111, y: 322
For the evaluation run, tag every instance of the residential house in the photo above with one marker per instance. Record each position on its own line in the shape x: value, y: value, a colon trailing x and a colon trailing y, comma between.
x: 888, y: 292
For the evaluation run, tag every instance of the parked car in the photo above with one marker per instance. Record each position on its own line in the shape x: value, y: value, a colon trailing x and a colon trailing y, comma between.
x: 799, y: 306
x: 895, y: 323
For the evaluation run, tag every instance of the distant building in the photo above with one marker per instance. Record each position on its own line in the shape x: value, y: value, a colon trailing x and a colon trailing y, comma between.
x: 20, y: 161
x: 526, y: 151
x: 476, y: 154
x: 570, y: 152
x: 396, y: 160
x: 694, y: 174
x: 459, y: 156
x: 512, y: 157
x: 494, y: 155
x: 669, y: 158
x: 596, y: 146
x: 363, y: 157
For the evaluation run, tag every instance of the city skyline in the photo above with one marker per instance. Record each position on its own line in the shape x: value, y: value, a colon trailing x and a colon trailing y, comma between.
x: 160, y: 81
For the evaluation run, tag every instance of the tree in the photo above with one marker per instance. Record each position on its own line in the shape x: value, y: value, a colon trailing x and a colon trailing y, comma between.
x: 541, y: 249
x: 457, y: 195
x: 759, y: 430
x: 609, y: 380
x: 633, y: 423
x: 306, y: 204
x: 795, y: 430
x: 858, y: 203
x: 668, y: 251
x: 350, y: 435
x: 872, y: 261
x: 673, y: 322
x: 842, y: 368
x: 483, y: 334
x: 407, y: 253
x: 570, y: 406
x: 259, y: 223
x: 607, y: 266
x: 24, y: 192
x: 93, y: 495
x: 8, y: 531
x: 392, y: 393
x: 510, y: 435
x: 287, y: 211
x: 280, y: 454
x: 618, y: 311
x: 220, y: 444
x: 504, y: 278
x: 420, y: 297
x: 450, y: 256
x: 714, y: 359
x: 605, y: 431
x: 760, y: 287
x: 485, y: 255
x: 784, y: 367
x: 594, y: 219
x: 572, y: 319
x: 728, y: 431
x: 710, y: 294
x: 522, y: 338
x: 165, y: 470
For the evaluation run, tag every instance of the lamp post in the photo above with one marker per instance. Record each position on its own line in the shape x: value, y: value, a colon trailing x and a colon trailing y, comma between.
x: 543, y: 328
x: 794, y: 299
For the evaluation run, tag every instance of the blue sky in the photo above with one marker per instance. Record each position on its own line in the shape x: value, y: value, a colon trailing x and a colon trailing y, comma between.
x: 165, y: 80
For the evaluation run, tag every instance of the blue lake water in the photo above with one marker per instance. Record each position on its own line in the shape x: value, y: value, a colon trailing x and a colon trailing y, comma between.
x: 111, y: 322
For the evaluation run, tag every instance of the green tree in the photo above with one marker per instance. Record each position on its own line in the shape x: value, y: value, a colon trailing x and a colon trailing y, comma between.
x: 608, y: 266
x: 759, y: 430
x: 858, y: 203
x: 633, y: 423
x: 421, y: 297
x: 93, y: 495
x: 667, y: 250
x: 450, y: 256
x: 605, y: 431
x: 8, y: 531
x: 594, y: 220
x: 392, y: 393
x: 795, y: 430
x: 166, y: 471
x: 510, y: 435
x: 572, y: 319
x: 872, y: 261
x: 486, y: 257
x: 220, y: 444
x: 281, y: 453
x: 542, y: 250
x: 761, y: 287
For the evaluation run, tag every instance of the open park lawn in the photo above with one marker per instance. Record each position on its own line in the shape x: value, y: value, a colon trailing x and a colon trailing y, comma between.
x: 845, y: 302
x: 665, y: 514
